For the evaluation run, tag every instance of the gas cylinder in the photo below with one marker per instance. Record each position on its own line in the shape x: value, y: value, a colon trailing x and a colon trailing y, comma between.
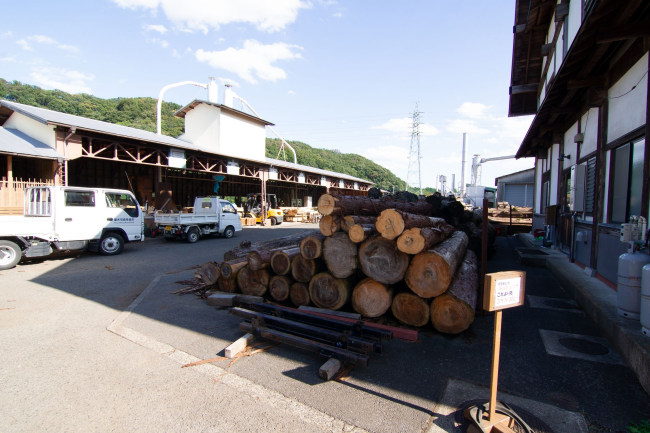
x: 645, y: 300
x: 628, y: 295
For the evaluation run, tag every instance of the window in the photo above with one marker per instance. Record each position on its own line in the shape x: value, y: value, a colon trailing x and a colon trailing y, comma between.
x: 79, y: 198
x: 626, y: 180
x: 590, y: 188
x: 228, y: 208
x: 123, y: 201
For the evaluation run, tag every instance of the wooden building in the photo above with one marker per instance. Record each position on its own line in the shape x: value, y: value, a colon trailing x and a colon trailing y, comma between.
x: 222, y: 151
x: 581, y: 67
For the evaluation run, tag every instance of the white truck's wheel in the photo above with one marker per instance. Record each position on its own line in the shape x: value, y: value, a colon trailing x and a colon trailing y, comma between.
x: 193, y: 235
x: 228, y: 232
x: 10, y: 254
x: 111, y: 244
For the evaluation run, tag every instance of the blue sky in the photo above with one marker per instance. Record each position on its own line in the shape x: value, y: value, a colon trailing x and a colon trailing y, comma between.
x: 343, y: 75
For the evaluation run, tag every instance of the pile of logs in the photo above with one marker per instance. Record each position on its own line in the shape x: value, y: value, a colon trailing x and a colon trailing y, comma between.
x: 376, y: 256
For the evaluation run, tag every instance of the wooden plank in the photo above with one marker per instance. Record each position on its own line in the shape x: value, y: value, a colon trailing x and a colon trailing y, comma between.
x: 221, y: 299
x: 345, y: 314
x: 238, y: 346
x: 328, y: 370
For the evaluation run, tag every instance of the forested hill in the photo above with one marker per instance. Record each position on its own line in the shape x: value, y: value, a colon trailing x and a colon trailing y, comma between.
x: 141, y: 113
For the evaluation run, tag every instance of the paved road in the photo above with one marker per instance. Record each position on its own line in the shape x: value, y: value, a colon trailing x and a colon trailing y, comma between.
x: 64, y: 371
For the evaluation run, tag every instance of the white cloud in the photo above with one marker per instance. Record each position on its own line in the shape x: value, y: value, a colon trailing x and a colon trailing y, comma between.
x: 392, y: 157
x: 458, y: 126
x: 403, y: 126
x: 63, y: 79
x: 473, y: 110
x: 27, y: 43
x: 6, y: 34
x: 8, y: 59
x: 253, y: 61
x: 202, y: 15
x: 156, y: 28
x: 157, y: 41
x: 24, y: 45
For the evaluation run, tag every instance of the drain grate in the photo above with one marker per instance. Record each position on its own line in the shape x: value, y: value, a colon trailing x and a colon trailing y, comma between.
x: 584, y: 347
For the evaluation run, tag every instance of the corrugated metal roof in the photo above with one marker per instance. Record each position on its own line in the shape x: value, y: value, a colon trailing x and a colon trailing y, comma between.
x: 15, y: 142
x: 291, y: 165
x: 50, y: 117
x: 183, y: 111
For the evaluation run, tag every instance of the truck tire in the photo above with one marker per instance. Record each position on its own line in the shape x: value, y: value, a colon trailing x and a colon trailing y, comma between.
x: 111, y: 244
x: 274, y: 221
x: 10, y: 254
x: 193, y: 235
x: 229, y: 232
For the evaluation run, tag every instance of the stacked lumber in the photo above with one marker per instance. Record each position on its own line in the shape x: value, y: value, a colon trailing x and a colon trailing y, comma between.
x: 384, y: 258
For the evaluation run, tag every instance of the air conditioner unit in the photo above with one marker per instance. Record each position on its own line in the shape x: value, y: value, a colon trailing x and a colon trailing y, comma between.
x: 577, y: 186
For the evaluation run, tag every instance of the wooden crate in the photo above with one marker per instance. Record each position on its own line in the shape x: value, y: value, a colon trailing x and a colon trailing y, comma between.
x: 248, y: 221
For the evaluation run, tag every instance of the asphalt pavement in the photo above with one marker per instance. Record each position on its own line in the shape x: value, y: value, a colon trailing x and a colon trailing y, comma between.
x: 92, y: 343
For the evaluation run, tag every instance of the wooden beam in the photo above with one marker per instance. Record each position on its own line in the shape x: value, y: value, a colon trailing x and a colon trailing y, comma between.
x: 524, y: 88
x: 239, y: 346
x: 629, y: 31
x: 600, y: 81
x: 561, y: 12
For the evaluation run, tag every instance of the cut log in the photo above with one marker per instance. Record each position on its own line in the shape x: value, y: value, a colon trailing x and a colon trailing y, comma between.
x: 252, y: 282
x: 361, y: 205
x: 303, y: 269
x: 208, y: 273
x: 416, y: 240
x: 350, y: 220
x: 230, y: 268
x: 329, y: 292
x: 371, y: 298
x: 311, y: 247
x: 453, y: 311
x: 329, y: 224
x: 382, y: 261
x: 258, y: 259
x: 392, y: 222
x: 279, y: 287
x: 299, y: 294
x: 281, y: 260
x: 360, y: 232
x: 340, y: 255
x: 273, y: 244
x: 228, y: 285
x: 410, y: 309
x: 430, y: 272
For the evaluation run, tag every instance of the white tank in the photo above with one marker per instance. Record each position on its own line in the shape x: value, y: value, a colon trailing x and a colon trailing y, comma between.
x: 645, y: 300
x: 628, y: 295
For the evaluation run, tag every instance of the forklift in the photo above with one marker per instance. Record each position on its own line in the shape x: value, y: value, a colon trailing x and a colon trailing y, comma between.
x: 253, y: 208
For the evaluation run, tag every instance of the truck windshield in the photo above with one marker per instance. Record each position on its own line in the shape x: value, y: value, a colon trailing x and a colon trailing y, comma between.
x: 124, y: 201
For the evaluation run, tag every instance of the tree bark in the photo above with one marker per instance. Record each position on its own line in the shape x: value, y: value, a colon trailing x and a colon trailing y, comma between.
x: 359, y: 205
x: 230, y: 268
x: 382, y: 261
x: 371, y: 298
x: 208, y: 273
x: 311, y: 247
x: 350, y: 220
x: 329, y: 292
x: 340, y: 255
x: 253, y: 282
x: 410, y: 309
x: 273, y: 244
x: 430, y: 272
x: 228, y: 285
x: 303, y: 269
x: 392, y: 222
x: 329, y: 224
x: 299, y: 294
x: 281, y: 260
x: 360, y: 232
x: 279, y: 287
x: 418, y: 239
x: 453, y: 312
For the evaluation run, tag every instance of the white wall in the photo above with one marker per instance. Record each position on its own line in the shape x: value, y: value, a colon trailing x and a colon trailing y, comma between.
x: 628, y: 112
x: 33, y: 128
x: 590, y: 129
x: 242, y: 138
x: 570, y: 147
x: 538, y: 186
x: 555, y: 163
x: 574, y: 20
x: 202, y: 127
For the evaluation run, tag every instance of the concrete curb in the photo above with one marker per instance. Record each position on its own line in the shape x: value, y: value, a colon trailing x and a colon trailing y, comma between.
x: 600, y: 304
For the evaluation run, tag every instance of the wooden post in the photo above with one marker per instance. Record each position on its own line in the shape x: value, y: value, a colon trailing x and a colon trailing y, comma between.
x: 494, y: 377
x: 10, y: 172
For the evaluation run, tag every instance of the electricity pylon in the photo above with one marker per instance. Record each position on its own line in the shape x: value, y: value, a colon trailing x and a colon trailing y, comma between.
x: 413, y: 174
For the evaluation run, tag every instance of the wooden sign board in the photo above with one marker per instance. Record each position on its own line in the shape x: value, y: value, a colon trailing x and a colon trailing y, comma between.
x: 504, y: 290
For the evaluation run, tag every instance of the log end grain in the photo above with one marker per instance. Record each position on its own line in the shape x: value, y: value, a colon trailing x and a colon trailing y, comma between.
x: 279, y: 287
x: 340, y: 255
x: 450, y: 315
x: 329, y: 292
x: 410, y: 309
x: 299, y: 294
x: 382, y: 261
x: 427, y: 275
x: 390, y: 223
x: 326, y: 204
x: 371, y: 298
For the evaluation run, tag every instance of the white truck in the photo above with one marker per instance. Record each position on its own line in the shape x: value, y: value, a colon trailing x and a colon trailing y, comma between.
x: 65, y: 218
x: 210, y: 215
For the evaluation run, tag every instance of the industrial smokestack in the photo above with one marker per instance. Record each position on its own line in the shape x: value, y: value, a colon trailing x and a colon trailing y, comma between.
x: 213, y: 91
x: 462, y: 167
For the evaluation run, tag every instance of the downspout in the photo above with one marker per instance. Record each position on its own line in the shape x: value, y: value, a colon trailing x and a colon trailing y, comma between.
x: 65, y: 157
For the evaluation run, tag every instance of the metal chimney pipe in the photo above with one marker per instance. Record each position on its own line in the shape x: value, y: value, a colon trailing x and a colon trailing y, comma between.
x: 462, y: 167
x: 228, y: 96
x: 213, y: 91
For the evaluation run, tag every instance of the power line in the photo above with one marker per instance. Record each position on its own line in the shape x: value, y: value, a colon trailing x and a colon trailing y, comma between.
x: 413, y: 173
